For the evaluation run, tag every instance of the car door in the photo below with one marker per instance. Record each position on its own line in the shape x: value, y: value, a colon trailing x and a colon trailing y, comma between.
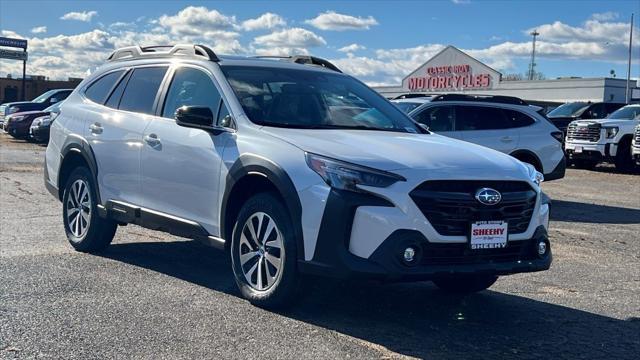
x: 181, y: 165
x: 439, y: 119
x: 116, y: 135
x: 487, y: 126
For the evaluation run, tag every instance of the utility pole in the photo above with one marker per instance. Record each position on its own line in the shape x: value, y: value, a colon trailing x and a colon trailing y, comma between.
x: 532, y: 66
x: 627, y: 94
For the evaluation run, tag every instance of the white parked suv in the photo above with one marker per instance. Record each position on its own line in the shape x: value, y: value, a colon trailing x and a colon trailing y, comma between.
x: 502, y: 123
x: 589, y: 142
x: 293, y: 169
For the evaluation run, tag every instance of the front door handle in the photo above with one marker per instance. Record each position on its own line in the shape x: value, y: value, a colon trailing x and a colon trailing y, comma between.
x: 96, y: 128
x: 152, y: 139
x: 506, y: 139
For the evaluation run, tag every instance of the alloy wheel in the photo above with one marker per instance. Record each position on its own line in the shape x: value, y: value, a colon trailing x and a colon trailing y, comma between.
x: 78, y: 208
x: 261, y: 251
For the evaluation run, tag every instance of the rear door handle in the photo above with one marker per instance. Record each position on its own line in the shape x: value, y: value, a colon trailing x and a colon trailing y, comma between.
x: 152, y: 139
x: 506, y: 139
x: 96, y: 128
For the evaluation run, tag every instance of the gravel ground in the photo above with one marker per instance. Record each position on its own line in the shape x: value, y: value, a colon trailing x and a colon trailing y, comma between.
x: 152, y: 295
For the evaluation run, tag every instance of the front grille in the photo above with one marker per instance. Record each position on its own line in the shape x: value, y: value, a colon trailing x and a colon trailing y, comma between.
x: 584, y: 132
x: 461, y: 253
x: 637, y: 135
x: 451, y: 207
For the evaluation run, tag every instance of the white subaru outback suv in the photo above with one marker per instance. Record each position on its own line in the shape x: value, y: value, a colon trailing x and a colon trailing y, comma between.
x: 589, y: 142
x: 504, y: 123
x: 293, y: 169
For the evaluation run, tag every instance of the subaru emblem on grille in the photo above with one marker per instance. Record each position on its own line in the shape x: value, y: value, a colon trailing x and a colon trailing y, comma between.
x: 488, y: 196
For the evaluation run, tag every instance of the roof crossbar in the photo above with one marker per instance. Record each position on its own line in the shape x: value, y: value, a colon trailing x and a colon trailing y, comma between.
x: 181, y: 50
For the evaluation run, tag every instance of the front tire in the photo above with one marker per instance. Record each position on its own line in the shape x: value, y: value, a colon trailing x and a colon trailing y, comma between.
x: 623, y: 160
x: 263, y: 252
x: 85, y: 229
x: 465, y: 284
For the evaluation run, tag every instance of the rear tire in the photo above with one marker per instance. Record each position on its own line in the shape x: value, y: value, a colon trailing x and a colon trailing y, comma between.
x: 85, y: 229
x: 584, y: 164
x: 465, y: 284
x: 623, y: 160
x: 263, y: 252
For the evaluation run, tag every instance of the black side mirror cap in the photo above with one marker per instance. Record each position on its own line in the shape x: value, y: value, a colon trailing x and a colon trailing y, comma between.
x: 199, y: 117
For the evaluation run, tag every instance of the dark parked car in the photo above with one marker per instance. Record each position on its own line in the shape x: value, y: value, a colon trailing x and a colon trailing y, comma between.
x: 568, y: 112
x: 18, y: 124
x: 40, y: 103
x: 39, y: 131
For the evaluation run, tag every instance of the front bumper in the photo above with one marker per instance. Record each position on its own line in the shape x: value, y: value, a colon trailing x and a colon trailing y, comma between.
x: 635, y: 153
x: 590, y: 151
x: 341, y: 249
x: 39, y: 133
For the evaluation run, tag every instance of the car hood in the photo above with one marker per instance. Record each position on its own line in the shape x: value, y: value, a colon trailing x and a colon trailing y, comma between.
x: 608, y: 122
x: 25, y: 106
x: 32, y: 113
x: 395, y: 151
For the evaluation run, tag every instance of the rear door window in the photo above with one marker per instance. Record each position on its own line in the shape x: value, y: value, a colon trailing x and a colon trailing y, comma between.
x: 100, y: 89
x: 142, y: 88
x: 437, y: 118
x: 114, y: 99
x: 480, y: 118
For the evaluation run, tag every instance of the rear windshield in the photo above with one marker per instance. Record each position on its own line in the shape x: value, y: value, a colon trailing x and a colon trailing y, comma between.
x: 568, y: 110
x: 312, y: 100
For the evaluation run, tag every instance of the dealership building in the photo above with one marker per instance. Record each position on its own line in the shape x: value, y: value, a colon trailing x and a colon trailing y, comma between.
x: 453, y: 71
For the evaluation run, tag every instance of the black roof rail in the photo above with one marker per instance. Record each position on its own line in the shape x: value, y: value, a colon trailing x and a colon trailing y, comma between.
x: 303, y: 59
x: 411, y: 96
x: 482, y: 98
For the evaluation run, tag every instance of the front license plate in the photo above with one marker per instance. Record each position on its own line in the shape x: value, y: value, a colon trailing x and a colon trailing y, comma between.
x: 578, y: 150
x: 489, y: 234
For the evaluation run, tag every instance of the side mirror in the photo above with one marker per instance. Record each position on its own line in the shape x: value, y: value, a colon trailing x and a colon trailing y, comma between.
x: 199, y: 117
x: 53, y: 100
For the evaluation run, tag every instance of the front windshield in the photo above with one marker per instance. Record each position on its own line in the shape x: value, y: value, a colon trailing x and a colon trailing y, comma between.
x: 626, y: 113
x: 406, y: 107
x: 42, y: 98
x: 306, y: 99
x: 569, y: 110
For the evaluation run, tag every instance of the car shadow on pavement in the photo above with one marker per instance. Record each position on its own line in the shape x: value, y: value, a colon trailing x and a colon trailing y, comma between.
x: 414, y: 319
x: 572, y: 211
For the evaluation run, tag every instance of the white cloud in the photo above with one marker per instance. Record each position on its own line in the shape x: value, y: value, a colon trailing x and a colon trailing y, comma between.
x: 461, y: 2
x: 605, y: 16
x: 332, y: 20
x: 195, y: 20
x: 290, y: 38
x: 351, y: 48
x: 39, y: 30
x: 264, y: 21
x: 85, y: 16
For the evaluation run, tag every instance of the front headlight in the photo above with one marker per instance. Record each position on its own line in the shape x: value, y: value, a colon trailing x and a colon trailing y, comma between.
x: 346, y: 176
x: 535, y: 175
x: 611, y: 132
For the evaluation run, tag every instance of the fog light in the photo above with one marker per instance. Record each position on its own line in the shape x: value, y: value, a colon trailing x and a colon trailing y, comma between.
x: 542, y: 248
x: 409, y: 254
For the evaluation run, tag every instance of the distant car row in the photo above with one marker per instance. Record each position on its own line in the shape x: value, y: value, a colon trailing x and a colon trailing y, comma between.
x: 32, y: 120
x: 588, y: 132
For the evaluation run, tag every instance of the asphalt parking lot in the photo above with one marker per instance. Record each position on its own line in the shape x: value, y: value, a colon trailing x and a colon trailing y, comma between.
x: 152, y: 295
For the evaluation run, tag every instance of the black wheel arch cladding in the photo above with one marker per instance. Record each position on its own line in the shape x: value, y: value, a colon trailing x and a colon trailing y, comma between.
x: 252, y: 165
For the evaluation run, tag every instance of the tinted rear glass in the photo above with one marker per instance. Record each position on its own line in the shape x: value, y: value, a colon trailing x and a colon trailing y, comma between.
x: 141, y: 90
x: 99, y: 90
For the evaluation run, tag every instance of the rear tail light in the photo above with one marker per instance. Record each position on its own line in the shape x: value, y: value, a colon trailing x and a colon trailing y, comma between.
x: 558, y: 135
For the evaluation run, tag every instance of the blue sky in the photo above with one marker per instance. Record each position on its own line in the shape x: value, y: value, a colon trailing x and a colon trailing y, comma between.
x: 380, y: 41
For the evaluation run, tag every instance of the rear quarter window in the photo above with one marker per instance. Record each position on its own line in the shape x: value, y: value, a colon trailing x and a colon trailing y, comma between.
x: 518, y: 119
x: 100, y: 89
